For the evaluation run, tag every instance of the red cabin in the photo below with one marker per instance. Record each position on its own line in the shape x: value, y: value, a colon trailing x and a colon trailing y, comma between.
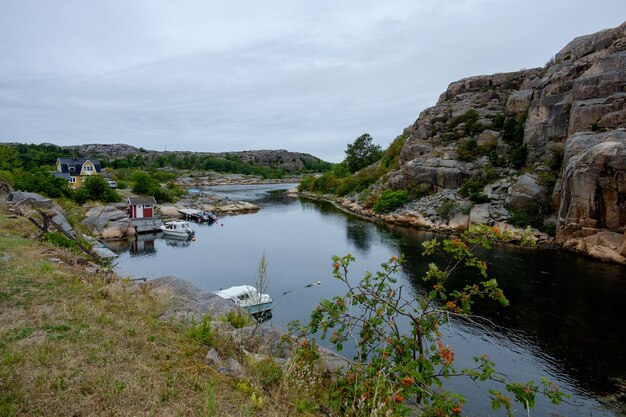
x: 141, y: 207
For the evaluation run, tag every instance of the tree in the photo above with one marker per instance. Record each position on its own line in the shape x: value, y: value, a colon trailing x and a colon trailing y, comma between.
x: 41, y: 181
x: 96, y: 188
x: 9, y: 158
x: 400, y: 354
x: 144, y: 183
x: 361, y: 153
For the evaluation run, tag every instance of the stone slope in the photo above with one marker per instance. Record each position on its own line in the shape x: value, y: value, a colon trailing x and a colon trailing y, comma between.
x: 562, y: 126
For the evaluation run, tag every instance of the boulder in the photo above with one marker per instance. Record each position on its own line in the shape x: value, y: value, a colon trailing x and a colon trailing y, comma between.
x: 170, y: 211
x: 606, y: 254
x: 189, y: 302
x: 519, y: 101
x: 526, y: 194
x: 108, y: 222
x: 479, y: 214
x: 30, y: 199
x: 438, y: 173
x: 459, y: 222
x: 592, y: 114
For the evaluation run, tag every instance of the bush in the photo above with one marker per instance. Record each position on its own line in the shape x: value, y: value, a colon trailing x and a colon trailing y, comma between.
x: 472, y: 186
x: 238, y: 319
x: 41, y: 181
x: 513, y: 130
x: 122, y: 185
x: 7, y: 178
x: 478, y: 198
x: 555, y: 160
x: 267, y: 372
x: 391, y: 156
x: 498, y: 122
x: 390, y: 200
x: 60, y: 240
x: 202, y: 332
x: 467, y: 150
x: 518, y: 156
x: 447, y: 209
x: 547, y: 179
x: 524, y: 218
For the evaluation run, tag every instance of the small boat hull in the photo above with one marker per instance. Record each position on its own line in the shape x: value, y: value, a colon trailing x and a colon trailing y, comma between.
x: 259, y: 308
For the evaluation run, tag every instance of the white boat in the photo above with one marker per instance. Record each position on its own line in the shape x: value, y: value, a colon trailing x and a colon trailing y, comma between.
x: 178, y: 228
x: 246, y: 296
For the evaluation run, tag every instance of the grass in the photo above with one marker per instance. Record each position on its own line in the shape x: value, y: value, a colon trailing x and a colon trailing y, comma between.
x: 76, y: 344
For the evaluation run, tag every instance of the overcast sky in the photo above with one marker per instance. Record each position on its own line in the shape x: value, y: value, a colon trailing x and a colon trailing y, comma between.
x: 223, y: 76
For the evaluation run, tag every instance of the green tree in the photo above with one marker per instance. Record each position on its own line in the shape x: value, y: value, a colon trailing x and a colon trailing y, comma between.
x: 9, y: 158
x: 362, y: 152
x: 400, y: 354
x: 41, y: 181
x: 95, y: 188
x: 144, y: 183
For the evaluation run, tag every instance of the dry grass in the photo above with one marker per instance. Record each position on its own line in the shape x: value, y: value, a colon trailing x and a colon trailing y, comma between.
x: 72, y: 345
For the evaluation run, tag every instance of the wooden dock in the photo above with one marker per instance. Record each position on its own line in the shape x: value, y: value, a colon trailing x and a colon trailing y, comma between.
x: 147, y: 224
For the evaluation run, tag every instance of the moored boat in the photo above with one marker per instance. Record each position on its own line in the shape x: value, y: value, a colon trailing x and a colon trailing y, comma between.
x: 248, y: 297
x: 178, y: 228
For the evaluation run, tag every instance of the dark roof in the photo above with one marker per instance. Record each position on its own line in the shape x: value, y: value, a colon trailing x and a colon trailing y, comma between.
x: 77, y: 163
x: 63, y: 175
x: 141, y: 200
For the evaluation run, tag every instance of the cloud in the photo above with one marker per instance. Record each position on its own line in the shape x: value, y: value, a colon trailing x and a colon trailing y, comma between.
x: 248, y: 75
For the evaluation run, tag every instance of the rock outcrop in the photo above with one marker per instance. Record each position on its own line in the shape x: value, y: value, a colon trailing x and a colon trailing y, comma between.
x: 491, y: 129
x: 109, y: 222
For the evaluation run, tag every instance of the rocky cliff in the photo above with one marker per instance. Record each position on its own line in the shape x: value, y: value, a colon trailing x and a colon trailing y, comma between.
x: 546, y: 143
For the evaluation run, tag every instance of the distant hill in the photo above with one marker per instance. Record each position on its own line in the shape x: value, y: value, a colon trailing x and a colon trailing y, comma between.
x: 289, y: 162
x: 119, y: 155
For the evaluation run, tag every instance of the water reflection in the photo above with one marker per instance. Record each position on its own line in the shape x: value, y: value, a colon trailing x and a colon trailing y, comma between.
x: 359, y: 233
x: 143, y: 246
x: 565, y: 317
x: 177, y: 242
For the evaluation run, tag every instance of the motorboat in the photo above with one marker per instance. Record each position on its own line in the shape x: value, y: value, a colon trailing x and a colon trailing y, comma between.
x: 179, y: 229
x: 206, y: 216
x: 248, y: 297
x: 199, y: 216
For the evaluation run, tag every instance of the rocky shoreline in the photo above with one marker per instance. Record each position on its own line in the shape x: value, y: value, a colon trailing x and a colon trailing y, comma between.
x: 215, y: 178
x: 604, y: 246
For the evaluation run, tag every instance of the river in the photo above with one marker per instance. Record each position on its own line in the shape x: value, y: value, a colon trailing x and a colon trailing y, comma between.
x: 565, y: 321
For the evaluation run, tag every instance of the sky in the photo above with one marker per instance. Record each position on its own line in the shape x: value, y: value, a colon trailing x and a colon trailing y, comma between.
x: 306, y: 76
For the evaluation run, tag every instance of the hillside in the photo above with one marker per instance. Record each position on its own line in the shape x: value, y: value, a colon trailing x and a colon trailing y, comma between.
x: 289, y: 162
x: 544, y: 147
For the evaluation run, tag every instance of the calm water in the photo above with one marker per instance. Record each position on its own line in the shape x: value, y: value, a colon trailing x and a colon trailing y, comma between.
x: 565, y: 321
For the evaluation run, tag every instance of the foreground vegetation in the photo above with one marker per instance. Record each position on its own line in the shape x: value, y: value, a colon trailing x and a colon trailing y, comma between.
x: 78, y: 343
x: 73, y: 343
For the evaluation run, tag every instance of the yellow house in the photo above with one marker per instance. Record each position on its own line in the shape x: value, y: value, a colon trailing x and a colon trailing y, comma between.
x: 75, y: 170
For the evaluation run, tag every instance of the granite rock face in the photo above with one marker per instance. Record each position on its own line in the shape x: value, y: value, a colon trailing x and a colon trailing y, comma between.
x: 593, y: 193
x: 503, y: 125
